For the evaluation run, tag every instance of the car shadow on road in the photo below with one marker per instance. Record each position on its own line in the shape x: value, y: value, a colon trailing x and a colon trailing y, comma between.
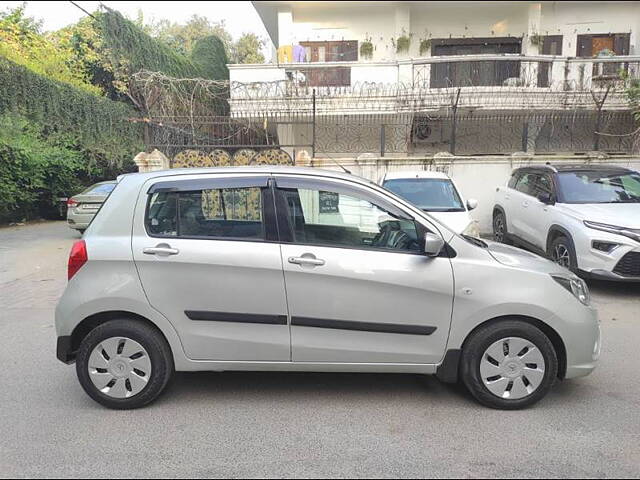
x: 296, y: 385
x: 615, y: 289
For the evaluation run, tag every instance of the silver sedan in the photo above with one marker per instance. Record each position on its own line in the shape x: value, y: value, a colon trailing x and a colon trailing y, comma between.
x: 83, y: 207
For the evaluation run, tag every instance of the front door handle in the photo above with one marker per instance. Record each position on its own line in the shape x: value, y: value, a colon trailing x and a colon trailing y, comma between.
x: 162, y: 249
x: 307, y: 259
x: 525, y: 204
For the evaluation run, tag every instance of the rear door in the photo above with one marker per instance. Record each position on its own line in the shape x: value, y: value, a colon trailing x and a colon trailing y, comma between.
x: 207, y: 254
x: 521, y: 197
x: 359, y: 288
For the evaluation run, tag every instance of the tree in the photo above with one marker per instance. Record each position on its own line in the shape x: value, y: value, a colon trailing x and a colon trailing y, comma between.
x: 22, y: 43
x: 248, y: 49
x: 182, y: 38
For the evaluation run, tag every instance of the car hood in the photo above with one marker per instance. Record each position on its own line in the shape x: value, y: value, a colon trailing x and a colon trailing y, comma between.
x: 456, y: 221
x: 516, y: 257
x: 620, y: 214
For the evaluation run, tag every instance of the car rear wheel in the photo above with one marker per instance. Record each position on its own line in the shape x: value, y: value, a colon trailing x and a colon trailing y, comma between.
x: 509, y: 365
x: 124, y: 364
x: 500, y: 233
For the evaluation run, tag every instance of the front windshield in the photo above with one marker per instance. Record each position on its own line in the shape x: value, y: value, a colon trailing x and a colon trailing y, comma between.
x: 429, y: 194
x: 599, y: 187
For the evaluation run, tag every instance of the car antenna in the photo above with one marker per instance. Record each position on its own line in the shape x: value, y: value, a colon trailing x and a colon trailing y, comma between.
x: 339, y: 164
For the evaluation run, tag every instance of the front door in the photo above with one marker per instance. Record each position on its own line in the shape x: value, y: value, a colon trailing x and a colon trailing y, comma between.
x: 359, y: 289
x: 208, y: 258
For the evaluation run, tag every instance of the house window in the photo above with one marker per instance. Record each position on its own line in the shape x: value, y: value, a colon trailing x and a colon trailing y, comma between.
x: 474, y: 73
x: 340, y: 51
x: 603, y: 45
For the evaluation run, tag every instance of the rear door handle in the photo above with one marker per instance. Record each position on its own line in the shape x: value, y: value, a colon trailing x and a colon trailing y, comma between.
x: 307, y: 259
x: 162, y: 250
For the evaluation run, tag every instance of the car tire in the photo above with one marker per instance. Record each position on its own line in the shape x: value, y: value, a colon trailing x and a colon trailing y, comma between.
x: 562, y: 252
x: 500, y: 233
x: 520, y: 384
x: 151, y: 358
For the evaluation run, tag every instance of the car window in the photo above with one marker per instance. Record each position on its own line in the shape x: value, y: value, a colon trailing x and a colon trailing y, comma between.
x: 211, y: 213
x: 513, y: 180
x: 100, y: 189
x: 543, y: 185
x: 430, y: 194
x: 526, y: 183
x: 599, y: 187
x: 321, y: 217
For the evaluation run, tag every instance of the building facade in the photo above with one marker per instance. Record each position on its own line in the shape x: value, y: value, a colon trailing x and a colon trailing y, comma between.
x: 451, y: 85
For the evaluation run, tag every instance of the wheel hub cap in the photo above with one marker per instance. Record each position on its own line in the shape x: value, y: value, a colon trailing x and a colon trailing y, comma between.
x: 119, y: 367
x: 512, y: 368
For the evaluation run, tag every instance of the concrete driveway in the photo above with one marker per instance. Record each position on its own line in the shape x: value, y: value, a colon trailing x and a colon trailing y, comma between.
x: 296, y: 425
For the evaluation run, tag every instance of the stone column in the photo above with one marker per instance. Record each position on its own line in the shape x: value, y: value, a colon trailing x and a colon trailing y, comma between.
x: 151, y: 162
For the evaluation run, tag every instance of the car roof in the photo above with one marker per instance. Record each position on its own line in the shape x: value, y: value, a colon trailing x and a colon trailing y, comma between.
x: 577, y: 167
x: 260, y: 169
x: 415, y: 174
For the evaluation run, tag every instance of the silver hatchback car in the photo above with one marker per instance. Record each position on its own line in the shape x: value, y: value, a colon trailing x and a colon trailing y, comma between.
x: 279, y: 268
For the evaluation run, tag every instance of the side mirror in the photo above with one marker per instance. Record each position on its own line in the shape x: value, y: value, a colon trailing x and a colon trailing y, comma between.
x: 546, y: 198
x: 433, y: 244
x: 472, y: 203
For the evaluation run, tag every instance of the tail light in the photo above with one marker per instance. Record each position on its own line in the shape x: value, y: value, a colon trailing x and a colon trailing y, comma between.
x: 71, y: 203
x: 77, y: 258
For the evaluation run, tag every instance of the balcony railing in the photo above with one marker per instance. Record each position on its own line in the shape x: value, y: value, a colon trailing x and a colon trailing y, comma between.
x: 506, y: 70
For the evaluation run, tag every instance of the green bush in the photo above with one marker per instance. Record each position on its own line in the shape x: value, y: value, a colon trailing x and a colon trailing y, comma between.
x: 34, y: 173
x: 97, y: 126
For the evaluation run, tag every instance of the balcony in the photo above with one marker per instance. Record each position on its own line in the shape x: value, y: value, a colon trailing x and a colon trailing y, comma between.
x: 468, y: 82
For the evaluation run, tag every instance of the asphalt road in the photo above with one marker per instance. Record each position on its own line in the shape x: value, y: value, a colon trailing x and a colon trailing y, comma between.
x: 296, y: 425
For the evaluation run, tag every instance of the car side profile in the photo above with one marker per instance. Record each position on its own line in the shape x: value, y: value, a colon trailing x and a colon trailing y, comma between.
x: 584, y: 217
x: 298, y: 269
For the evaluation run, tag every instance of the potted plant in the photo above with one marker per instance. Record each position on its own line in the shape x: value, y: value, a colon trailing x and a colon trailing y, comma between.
x: 403, y: 42
x: 366, y: 49
x: 425, y: 46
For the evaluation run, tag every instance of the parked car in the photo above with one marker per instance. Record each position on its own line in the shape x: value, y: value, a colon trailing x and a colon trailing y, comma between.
x: 436, y: 193
x: 584, y: 217
x: 82, y: 208
x: 297, y: 269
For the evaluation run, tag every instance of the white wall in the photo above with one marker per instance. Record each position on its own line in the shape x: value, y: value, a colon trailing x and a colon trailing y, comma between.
x: 477, y: 177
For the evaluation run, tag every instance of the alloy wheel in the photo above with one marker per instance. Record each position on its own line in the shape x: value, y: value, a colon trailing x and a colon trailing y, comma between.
x: 561, y: 255
x: 119, y: 367
x: 498, y: 228
x: 512, y: 368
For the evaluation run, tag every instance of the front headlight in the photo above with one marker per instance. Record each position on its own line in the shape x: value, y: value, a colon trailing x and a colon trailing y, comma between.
x: 472, y: 230
x: 603, y: 227
x: 576, y: 286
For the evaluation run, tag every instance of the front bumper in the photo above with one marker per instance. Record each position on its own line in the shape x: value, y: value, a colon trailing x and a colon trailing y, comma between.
x: 583, y: 343
x: 64, y: 350
x: 597, y: 264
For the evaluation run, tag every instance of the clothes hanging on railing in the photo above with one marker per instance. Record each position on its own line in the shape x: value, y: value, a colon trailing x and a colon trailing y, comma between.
x: 285, y: 54
x: 299, y: 53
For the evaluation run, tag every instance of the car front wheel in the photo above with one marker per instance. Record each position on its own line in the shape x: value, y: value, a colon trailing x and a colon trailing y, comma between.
x: 562, y: 252
x: 124, y: 364
x: 509, y: 365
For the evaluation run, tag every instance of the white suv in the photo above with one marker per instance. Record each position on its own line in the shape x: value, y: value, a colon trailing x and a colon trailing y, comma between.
x: 267, y: 268
x: 584, y: 217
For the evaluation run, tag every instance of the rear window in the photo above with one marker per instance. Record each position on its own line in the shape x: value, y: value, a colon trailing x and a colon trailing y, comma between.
x: 215, y: 213
x: 100, y: 189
